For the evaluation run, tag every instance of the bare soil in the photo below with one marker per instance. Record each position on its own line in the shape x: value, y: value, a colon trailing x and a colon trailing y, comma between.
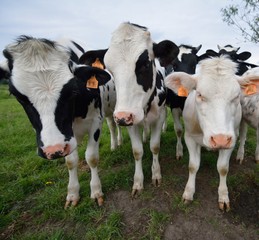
x: 202, y: 219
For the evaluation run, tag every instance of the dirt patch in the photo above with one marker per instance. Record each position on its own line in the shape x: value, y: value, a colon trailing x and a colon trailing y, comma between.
x: 201, y: 219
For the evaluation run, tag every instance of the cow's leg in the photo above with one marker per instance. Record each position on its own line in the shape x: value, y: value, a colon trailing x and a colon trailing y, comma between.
x: 119, y: 135
x: 137, y: 148
x: 73, y: 184
x: 165, y: 122
x: 156, y: 130
x: 146, y: 132
x: 92, y: 158
x: 194, y: 164
x: 257, y: 146
x: 112, y: 127
x: 242, y: 140
x: 222, y: 166
x: 178, y: 128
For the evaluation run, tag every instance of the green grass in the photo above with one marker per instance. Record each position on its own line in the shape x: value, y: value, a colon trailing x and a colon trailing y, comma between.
x: 33, y: 190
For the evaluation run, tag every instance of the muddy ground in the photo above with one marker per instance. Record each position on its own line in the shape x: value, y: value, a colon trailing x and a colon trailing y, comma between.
x: 200, y: 220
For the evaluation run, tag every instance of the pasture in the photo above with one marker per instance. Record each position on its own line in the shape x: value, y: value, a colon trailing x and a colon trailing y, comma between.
x: 33, y: 191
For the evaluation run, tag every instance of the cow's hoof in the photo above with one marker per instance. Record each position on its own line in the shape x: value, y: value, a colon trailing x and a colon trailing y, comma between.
x: 72, y: 203
x: 186, y: 201
x: 136, y: 192
x: 224, y: 206
x: 100, y: 201
x: 156, y: 182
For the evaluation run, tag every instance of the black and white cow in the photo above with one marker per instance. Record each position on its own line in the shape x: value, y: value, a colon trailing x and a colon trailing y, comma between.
x: 95, y: 58
x: 140, y: 92
x: 231, y: 52
x: 186, y: 61
x: 62, y: 101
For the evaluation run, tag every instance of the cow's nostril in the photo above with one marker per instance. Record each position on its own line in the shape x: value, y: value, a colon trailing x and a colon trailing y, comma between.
x: 213, y: 143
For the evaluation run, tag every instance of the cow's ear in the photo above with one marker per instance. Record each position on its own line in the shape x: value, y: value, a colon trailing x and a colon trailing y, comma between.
x: 4, y: 70
x: 181, y: 83
x: 197, y: 49
x: 166, y: 51
x: 92, y: 76
x: 93, y: 57
x: 243, y: 56
x: 249, y: 85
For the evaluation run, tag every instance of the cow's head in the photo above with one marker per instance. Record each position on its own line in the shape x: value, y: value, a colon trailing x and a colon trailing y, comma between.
x: 232, y: 52
x: 130, y: 59
x: 187, y: 59
x: 216, y: 99
x: 46, y: 84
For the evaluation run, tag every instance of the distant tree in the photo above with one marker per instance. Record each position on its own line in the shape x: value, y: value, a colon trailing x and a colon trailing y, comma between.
x: 245, y: 17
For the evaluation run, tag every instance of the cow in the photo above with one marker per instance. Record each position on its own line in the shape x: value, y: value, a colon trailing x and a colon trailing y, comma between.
x: 248, y: 103
x: 95, y: 58
x: 186, y: 61
x: 250, y: 116
x: 231, y: 51
x: 62, y: 101
x: 132, y: 58
x: 212, y: 115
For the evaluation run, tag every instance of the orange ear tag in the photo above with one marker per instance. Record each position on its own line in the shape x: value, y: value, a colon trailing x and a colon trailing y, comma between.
x: 92, y: 83
x: 182, y: 92
x: 97, y: 64
x: 250, y: 89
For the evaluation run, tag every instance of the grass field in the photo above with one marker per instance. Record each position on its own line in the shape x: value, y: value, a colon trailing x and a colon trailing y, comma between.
x: 33, y: 190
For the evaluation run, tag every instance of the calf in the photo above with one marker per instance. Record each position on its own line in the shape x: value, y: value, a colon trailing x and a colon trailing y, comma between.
x: 140, y: 90
x: 186, y: 61
x: 212, y: 115
x: 62, y: 101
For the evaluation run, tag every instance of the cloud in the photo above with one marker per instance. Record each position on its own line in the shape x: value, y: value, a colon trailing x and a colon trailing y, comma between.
x: 184, y: 21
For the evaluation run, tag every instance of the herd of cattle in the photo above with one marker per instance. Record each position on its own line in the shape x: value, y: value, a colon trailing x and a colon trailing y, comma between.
x: 67, y: 93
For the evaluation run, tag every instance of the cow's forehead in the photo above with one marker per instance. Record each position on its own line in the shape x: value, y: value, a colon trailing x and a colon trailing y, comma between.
x: 43, y: 89
x: 183, y: 50
x: 32, y: 60
x: 211, y: 86
x: 217, y: 76
x: 131, y: 40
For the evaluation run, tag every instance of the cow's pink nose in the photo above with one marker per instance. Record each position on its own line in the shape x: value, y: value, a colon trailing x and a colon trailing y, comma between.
x: 124, y: 118
x: 220, y: 141
x: 56, y: 151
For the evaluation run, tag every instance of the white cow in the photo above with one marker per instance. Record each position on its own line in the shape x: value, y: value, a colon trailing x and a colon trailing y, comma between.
x: 212, y: 115
x: 250, y: 116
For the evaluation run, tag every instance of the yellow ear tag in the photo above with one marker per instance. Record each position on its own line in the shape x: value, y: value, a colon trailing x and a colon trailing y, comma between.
x: 182, y: 92
x: 92, y: 83
x: 97, y: 64
x: 250, y: 89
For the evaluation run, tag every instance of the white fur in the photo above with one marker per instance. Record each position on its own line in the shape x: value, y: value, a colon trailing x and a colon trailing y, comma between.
x: 250, y: 116
x: 212, y: 107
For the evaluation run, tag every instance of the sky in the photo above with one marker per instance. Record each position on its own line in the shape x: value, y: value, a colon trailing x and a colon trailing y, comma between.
x: 91, y: 23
